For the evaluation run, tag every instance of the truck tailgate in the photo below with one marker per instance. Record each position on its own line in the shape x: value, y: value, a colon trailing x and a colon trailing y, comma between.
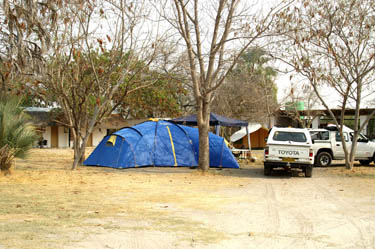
x: 290, y: 151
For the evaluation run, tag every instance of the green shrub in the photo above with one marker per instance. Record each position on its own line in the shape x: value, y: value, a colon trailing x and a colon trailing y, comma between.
x: 17, y: 135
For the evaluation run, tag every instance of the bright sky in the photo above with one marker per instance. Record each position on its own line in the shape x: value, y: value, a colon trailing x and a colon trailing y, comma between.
x: 331, y: 97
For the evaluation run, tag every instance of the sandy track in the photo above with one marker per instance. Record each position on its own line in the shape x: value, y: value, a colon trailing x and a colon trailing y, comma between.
x: 282, y: 211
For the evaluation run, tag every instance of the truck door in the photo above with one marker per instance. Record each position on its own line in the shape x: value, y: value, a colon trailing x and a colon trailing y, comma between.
x: 337, y: 145
x: 363, y: 149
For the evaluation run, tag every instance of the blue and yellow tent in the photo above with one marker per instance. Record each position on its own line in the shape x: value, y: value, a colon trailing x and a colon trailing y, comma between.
x: 158, y: 143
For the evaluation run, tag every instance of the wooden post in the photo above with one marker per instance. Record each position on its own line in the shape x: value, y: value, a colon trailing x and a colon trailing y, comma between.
x: 248, y: 140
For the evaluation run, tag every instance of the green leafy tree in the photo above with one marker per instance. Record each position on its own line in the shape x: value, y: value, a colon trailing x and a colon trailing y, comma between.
x: 77, y: 55
x: 249, y: 92
x: 88, y: 89
x: 16, y: 133
x: 87, y: 64
x: 162, y: 99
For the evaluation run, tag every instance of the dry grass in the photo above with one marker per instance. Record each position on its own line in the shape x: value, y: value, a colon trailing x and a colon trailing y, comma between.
x: 46, y: 205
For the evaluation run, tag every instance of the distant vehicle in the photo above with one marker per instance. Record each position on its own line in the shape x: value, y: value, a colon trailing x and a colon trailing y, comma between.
x: 289, y: 148
x: 327, y: 145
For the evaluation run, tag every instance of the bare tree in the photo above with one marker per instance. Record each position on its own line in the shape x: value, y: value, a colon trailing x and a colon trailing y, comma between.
x: 331, y: 43
x: 215, y: 33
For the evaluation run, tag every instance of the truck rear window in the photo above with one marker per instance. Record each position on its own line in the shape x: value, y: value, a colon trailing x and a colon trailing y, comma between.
x: 289, y: 136
x: 319, y: 135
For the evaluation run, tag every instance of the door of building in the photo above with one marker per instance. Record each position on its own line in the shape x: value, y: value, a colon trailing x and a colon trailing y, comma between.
x: 54, y: 136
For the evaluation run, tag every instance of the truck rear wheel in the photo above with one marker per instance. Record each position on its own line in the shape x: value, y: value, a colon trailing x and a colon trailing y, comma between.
x: 308, y: 171
x: 323, y: 159
x: 267, y: 170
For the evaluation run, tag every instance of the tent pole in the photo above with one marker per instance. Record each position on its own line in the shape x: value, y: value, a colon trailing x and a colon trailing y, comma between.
x: 248, y: 140
x: 217, y: 130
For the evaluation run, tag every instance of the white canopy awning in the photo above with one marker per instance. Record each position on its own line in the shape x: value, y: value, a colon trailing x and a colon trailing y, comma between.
x: 253, y: 127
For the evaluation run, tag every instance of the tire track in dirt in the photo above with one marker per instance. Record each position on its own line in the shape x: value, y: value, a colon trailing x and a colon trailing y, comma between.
x: 365, y: 236
x: 272, y: 209
x: 273, y: 213
x: 303, y: 237
x: 306, y: 229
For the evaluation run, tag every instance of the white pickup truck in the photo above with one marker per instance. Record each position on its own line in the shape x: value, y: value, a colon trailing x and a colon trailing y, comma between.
x: 289, y: 148
x: 327, y: 145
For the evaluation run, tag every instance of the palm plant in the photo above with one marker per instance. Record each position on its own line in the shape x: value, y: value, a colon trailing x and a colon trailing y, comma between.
x: 16, y: 133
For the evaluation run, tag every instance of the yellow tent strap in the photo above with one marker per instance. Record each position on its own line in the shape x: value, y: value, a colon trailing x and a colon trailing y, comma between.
x: 174, y: 153
x: 112, y: 140
x: 153, y: 119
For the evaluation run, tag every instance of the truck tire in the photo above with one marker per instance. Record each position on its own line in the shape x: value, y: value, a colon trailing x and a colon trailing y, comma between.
x: 308, y: 171
x: 365, y: 162
x: 323, y: 159
x: 267, y: 170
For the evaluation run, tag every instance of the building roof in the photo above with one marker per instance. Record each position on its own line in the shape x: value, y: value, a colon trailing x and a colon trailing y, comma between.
x: 336, y: 112
x: 41, y: 116
x: 215, y: 119
x: 44, y: 116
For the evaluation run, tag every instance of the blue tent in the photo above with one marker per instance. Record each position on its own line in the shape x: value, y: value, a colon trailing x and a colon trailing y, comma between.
x: 160, y: 143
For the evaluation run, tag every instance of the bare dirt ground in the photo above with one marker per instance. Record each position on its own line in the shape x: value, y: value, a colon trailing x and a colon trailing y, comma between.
x: 45, y: 205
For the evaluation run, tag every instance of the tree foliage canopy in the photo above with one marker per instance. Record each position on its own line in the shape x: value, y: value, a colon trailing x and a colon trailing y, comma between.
x: 162, y: 99
x: 249, y: 92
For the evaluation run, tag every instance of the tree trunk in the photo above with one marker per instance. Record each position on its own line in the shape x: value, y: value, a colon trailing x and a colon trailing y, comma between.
x: 344, y: 147
x: 80, y: 144
x: 356, y: 133
x: 76, y: 150
x: 347, y: 157
x: 83, y: 158
x: 352, y: 156
x: 353, y: 150
x: 203, y: 119
x: 204, y: 147
x: 79, y: 154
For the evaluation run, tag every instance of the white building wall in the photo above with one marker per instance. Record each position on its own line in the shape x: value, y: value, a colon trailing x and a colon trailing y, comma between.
x: 273, y: 122
x: 316, y: 122
x: 63, y: 137
x: 98, y: 134
x: 47, y: 136
x: 362, y: 119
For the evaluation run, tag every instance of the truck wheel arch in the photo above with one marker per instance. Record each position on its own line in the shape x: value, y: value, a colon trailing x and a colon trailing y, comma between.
x: 323, y: 158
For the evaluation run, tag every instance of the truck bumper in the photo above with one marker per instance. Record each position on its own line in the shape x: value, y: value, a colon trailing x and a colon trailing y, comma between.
x: 287, y: 165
